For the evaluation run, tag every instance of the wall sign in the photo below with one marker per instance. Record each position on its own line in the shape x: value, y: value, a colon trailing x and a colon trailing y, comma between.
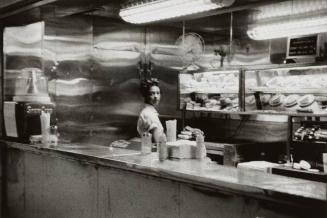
x: 302, y: 47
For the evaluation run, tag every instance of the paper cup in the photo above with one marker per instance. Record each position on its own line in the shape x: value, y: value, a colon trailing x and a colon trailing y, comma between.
x: 45, y: 128
x: 324, y: 160
x: 171, y: 130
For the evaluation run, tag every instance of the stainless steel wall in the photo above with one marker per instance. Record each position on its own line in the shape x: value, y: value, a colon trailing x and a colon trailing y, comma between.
x: 117, y: 50
x: 94, y: 66
x: 22, y: 49
x: 67, y: 63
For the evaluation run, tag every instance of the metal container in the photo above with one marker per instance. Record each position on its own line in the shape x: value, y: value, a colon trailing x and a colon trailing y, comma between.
x: 31, y: 86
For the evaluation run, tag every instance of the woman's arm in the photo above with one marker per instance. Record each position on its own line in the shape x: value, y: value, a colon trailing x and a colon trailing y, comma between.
x: 156, y: 133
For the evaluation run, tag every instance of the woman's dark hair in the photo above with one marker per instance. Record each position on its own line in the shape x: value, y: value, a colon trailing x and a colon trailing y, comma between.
x: 146, y: 84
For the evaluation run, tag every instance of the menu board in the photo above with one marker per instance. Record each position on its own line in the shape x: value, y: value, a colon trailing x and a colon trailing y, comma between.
x: 304, y: 46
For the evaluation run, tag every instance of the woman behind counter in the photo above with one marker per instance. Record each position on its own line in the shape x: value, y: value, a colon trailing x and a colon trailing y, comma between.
x: 149, y: 118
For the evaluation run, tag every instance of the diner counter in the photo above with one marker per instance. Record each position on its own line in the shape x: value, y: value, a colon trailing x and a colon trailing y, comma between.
x: 198, y: 172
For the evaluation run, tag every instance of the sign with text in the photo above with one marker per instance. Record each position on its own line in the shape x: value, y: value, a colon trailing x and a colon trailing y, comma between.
x: 302, y: 47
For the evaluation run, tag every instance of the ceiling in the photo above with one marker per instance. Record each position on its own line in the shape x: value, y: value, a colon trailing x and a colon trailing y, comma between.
x: 213, y: 21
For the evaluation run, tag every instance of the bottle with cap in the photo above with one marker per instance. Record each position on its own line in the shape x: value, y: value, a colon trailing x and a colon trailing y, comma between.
x: 201, y: 151
x: 162, y: 148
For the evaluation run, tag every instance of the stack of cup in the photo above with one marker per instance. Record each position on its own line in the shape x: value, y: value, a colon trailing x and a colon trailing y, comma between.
x: 146, y: 143
x: 324, y: 160
x: 45, y: 128
x: 171, y: 130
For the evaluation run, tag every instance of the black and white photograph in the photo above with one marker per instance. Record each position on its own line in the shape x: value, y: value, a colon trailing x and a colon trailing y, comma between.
x: 163, y: 109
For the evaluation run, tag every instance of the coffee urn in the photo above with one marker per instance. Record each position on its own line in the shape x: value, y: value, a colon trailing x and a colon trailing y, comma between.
x: 22, y: 114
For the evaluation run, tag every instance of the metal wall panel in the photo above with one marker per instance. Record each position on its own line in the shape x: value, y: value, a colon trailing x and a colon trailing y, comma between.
x: 165, y: 63
x: 67, y: 54
x: 124, y: 194
x: 118, y: 49
x: 15, y: 201
x: 41, y: 186
x: 93, y: 70
x: 22, y: 49
x: 197, y: 202
x: 55, y: 187
x: 225, y: 45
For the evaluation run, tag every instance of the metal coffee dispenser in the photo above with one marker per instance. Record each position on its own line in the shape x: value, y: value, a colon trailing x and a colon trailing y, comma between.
x: 22, y: 115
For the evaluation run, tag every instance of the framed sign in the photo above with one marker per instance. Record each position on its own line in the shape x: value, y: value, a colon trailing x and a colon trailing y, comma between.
x: 303, y: 46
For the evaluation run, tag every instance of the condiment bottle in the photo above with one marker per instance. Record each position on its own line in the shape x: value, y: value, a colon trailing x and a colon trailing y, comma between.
x: 201, y: 151
x: 162, y: 148
x: 146, y: 143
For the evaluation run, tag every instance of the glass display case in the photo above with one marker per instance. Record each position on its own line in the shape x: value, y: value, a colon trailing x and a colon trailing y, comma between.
x: 287, y: 90
x: 283, y: 89
x: 209, y: 91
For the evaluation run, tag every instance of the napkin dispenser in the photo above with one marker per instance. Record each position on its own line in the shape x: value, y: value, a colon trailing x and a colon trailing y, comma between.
x: 22, y: 119
x: 182, y: 149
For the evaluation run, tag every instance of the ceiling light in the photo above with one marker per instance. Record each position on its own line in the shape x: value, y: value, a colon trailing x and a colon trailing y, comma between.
x: 289, y: 18
x: 287, y: 8
x: 287, y: 28
x: 155, y: 10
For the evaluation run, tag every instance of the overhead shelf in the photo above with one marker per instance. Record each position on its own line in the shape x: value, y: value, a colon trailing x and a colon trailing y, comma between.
x: 309, y: 142
x: 202, y: 109
x: 295, y: 114
x: 261, y: 112
x: 210, y: 91
x: 288, y: 90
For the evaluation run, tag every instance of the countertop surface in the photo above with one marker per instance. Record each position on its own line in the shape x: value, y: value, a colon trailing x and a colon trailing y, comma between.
x: 199, y: 172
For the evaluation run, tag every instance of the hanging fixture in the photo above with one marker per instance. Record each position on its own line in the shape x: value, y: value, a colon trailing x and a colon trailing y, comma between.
x: 294, y: 27
x: 148, y: 11
x: 290, y: 18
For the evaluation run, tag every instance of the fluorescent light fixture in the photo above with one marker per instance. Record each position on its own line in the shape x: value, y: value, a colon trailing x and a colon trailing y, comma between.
x: 286, y: 8
x: 289, y: 18
x: 289, y: 27
x: 155, y: 10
